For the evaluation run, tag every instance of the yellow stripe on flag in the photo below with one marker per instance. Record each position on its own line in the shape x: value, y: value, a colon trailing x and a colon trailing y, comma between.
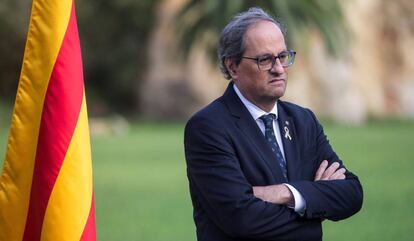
x: 75, y: 195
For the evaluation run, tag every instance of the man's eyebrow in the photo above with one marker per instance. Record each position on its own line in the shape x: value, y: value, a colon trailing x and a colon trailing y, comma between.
x: 269, y: 54
x: 264, y: 55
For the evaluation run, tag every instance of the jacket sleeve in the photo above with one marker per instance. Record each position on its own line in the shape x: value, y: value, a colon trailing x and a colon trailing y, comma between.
x: 333, y: 199
x: 222, y: 191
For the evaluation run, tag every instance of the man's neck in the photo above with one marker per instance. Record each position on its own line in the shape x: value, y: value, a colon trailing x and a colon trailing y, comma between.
x: 264, y: 106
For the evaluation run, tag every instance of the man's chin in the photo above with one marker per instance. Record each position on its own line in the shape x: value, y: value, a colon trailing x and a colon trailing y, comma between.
x: 274, y: 95
x: 278, y: 93
x: 272, y: 98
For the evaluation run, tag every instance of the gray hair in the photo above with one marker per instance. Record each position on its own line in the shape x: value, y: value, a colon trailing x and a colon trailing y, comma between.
x: 231, y: 44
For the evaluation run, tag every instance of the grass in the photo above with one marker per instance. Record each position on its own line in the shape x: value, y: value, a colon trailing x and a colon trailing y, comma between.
x: 141, y: 189
x: 141, y: 185
x: 382, y: 156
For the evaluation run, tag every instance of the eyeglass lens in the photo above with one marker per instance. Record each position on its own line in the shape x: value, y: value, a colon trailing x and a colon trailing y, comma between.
x: 267, y: 62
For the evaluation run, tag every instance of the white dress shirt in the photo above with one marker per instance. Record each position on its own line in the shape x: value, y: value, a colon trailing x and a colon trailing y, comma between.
x: 256, y: 112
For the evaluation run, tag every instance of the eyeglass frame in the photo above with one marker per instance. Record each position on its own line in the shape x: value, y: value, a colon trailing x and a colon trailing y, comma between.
x: 290, y: 52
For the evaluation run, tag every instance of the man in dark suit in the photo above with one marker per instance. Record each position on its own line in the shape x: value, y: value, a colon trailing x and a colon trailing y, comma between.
x: 260, y: 168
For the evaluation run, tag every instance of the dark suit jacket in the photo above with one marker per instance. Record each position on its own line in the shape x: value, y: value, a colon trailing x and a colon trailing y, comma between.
x: 227, y: 154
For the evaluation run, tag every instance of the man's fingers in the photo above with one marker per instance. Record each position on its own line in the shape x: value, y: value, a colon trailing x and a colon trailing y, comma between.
x: 321, y: 170
x: 330, y: 170
x: 338, y: 175
x: 329, y: 173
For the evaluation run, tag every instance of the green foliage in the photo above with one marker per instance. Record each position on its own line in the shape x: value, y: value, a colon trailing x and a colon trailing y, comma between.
x: 113, y: 35
x: 5, y: 119
x: 201, y: 17
x: 14, y: 19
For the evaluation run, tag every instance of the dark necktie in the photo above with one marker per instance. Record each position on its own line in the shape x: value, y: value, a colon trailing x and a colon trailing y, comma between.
x: 271, y: 138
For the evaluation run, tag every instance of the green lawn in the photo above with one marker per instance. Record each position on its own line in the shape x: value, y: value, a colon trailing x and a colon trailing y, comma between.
x: 141, y: 188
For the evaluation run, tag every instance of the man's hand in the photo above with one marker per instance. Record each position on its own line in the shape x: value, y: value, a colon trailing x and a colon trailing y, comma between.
x: 329, y: 173
x: 281, y: 194
x: 278, y: 194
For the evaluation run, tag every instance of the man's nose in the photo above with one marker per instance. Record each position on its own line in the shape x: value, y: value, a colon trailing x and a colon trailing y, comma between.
x: 277, y: 68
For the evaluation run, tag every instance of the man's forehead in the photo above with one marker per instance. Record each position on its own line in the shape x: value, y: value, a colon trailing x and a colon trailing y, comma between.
x: 263, y: 29
x: 264, y: 33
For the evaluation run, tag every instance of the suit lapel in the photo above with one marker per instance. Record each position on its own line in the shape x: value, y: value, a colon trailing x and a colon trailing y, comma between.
x: 245, y: 122
x: 290, y: 145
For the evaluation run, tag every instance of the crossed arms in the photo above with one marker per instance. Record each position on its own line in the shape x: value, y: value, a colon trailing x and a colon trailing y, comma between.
x: 220, y: 189
x: 281, y: 194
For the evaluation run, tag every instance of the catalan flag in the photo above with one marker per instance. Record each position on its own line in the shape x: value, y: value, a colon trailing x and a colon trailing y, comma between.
x: 46, y: 188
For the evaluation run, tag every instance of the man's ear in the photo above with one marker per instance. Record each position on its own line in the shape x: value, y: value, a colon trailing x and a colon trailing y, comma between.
x: 231, y: 67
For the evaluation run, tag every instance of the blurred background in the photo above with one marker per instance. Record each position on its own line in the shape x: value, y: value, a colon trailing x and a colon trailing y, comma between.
x: 150, y: 64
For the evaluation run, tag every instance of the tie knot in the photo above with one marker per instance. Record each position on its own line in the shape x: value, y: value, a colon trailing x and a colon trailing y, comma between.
x: 268, y: 119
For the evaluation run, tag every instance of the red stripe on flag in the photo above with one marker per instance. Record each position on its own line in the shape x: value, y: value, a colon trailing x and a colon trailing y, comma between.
x: 89, y: 233
x: 59, y: 117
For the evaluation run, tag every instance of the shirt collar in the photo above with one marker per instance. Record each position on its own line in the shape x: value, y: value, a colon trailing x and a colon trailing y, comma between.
x: 255, y: 111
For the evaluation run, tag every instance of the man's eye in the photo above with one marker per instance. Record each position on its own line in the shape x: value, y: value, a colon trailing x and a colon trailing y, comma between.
x: 283, y: 55
x: 265, y: 59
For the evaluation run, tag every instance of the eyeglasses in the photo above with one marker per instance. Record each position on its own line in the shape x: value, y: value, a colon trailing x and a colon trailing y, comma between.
x: 266, y: 62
